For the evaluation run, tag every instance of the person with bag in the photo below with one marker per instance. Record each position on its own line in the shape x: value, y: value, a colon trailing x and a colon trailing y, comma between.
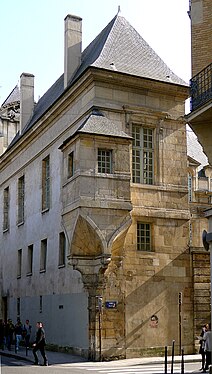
x: 39, y: 344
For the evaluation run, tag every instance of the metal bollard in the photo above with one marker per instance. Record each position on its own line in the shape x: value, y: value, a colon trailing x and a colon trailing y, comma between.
x: 166, y: 361
x: 172, y: 365
x: 182, y: 362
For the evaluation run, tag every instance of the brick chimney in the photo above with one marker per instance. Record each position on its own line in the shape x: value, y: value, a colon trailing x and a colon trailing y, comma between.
x: 72, y: 46
x: 26, y: 98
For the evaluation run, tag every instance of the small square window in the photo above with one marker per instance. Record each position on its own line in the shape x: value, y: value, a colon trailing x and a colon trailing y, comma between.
x: 105, y: 161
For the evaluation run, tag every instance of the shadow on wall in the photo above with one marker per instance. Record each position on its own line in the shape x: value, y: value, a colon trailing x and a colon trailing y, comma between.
x: 153, y: 308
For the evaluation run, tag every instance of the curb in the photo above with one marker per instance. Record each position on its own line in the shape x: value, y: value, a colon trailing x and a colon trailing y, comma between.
x: 16, y: 356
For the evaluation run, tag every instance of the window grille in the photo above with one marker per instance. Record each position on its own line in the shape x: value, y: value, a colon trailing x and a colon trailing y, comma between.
x: 142, y: 155
x: 104, y: 161
x: 143, y: 236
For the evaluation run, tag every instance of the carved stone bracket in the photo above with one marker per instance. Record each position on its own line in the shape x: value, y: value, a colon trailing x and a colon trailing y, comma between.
x: 92, y: 270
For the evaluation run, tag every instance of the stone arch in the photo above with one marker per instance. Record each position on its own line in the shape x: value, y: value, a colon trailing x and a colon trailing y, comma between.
x: 87, y: 239
x: 116, y: 242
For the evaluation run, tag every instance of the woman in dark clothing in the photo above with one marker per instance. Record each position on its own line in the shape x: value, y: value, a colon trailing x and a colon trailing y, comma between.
x: 2, y: 333
x: 202, y: 346
x: 39, y: 344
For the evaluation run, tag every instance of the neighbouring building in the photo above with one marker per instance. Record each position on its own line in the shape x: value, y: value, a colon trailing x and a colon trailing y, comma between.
x: 100, y: 203
x: 9, y: 119
x: 200, y: 116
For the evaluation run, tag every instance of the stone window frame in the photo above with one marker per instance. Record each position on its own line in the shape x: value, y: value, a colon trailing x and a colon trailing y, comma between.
x: 190, y: 187
x: 147, y: 245
x: 46, y: 183
x: 145, y: 154
x: 62, y: 249
x: 105, y: 160
x: 70, y: 166
x: 30, y: 259
x: 43, y: 255
x: 19, y: 263
x: 21, y: 199
x: 6, y: 204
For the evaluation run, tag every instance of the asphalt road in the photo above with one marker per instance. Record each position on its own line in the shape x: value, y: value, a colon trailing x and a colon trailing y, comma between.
x: 10, y: 365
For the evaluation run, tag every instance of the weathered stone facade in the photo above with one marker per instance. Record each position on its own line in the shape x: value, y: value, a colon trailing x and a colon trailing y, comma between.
x: 118, y: 293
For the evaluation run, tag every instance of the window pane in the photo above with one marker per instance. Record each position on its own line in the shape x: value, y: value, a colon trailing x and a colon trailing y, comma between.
x: 19, y: 264
x: 6, y: 209
x: 21, y: 187
x: 30, y: 260
x: 71, y: 164
x: 46, y: 183
x: 142, y: 155
x: 43, y: 255
x: 62, y: 249
x: 104, y: 161
x: 189, y: 188
x: 143, y: 237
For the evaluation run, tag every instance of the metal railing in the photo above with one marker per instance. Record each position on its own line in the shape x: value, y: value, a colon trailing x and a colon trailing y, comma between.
x: 201, y: 88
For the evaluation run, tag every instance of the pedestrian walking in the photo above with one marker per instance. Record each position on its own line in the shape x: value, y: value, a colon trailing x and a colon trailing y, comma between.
x: 2, y: 334
x: 18, y: 334
x: 202, y: 346
x: 208, y: 347
x: 39, y: 344
x: 9, y: 330
x: 27, y: 329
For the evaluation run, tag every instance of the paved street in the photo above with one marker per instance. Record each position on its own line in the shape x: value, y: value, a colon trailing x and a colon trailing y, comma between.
x: 10, y: 365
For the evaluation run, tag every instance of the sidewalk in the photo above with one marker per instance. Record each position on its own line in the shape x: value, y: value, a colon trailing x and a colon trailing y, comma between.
x: 64, y: 358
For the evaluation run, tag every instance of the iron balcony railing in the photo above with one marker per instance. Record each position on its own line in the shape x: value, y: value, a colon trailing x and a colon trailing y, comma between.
x: 201, y: 88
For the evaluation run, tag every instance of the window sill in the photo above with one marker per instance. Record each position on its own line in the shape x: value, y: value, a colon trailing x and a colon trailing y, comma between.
x: 29, y: 274
x: 45, y: 210
x: 18, y: 276
x: 42, y: 271
x: 61, y: 266
x: 20, y: 223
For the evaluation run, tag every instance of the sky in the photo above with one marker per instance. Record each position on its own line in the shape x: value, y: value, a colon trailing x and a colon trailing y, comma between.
x: 32, y: 35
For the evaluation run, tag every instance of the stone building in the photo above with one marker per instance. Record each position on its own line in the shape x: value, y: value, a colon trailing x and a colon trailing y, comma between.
x: 95, y: 217
x: 9, y: 118
x: 200, y: 117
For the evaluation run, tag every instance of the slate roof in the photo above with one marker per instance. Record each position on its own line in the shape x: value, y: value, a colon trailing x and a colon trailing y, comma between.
x: 98, y: 124
x: 118, y: 47
x: 13, y: 97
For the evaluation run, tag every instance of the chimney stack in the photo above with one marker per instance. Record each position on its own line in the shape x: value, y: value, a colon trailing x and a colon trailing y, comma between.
x: 72, y: 46
x: 26, y: 98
